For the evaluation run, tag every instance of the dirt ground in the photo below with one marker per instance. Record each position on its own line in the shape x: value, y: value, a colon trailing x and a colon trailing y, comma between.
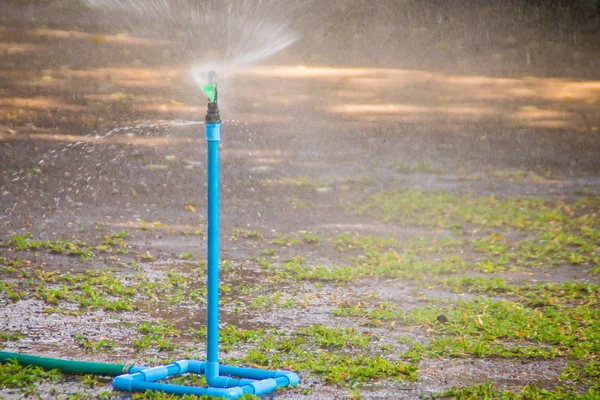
x: 102, y: 132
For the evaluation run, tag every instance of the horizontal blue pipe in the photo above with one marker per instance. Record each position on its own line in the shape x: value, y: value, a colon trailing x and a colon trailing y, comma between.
x: 126, y: 383
x: 255, y: 373
x: 252, y: 380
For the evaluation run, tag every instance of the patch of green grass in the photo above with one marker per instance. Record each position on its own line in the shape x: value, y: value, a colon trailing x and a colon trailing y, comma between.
x: 10, y: 336
x: 342, y: 355
x: 16, y: 376
x: 421, y: 167
x: 273, y: 300
x: 508, y: 329
x: 10, y: 290
x: 25, y: 243
x: 193, y: 232
x: 100, y: 289
x: 296, y: 238
x: 330, y: 338
x: 384, y: 312
x: 349, y: 242
x: 245, y: 234
x: 156, y: 335
x: 444, y: 210
x: 268, y: 253
x: 152, y: 395
x: 372, y: 264
x: 187, y: 380
x: 542, y: 321
x: 92, y: 381
x: 513, y: 233
x: 533, y: 295
x: 545, y: 249
x: 90, y: 345
x: 147, y: 256
x: 12, y: 265
x: 113, y: 242
x: 187, y: 255
x: 231, y: 336
x: 489, y: 391
x: 338, y: 369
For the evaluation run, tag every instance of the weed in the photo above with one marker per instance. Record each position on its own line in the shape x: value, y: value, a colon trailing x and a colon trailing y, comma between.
x: 296, y: 238
x: 245, y: 234
x: 147, y: 256
x: 442, y: 210
x: 156, y: 335
x: 16, y: 376
x: 309, y: 237
x: 349, y: 242
x: 326, y: 337
x: 87, y: 344
x: 9, y: 289
x: 272, y: 300
x: 114, y: 240
x: 422, y: 167
x: 10, y: 336
x: 489, y: 391
x: 24, y: 243
x: 193, y: 232
x: 268, y: 253
x: 480, y: 327
x: 285, y: 240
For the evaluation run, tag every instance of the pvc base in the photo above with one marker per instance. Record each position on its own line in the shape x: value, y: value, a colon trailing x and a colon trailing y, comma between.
x: 235, y: 382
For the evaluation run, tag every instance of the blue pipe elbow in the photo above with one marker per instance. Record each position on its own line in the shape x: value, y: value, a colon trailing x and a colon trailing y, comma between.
x: 292, y: 378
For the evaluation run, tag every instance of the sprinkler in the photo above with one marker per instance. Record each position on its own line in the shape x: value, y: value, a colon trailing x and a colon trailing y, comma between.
x: 223, y: 380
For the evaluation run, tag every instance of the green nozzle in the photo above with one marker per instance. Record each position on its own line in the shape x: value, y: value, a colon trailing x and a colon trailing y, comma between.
x: 210, y: 91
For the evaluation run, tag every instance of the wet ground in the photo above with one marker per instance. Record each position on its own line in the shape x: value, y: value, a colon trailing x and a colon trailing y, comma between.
x: 96, y: 139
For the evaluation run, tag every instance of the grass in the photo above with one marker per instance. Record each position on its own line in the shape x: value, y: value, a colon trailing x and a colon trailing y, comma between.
x: 94, y: 289
x: 273, y: 300
x: 342, y: 355
x: 525, y: 321
x: 350, y: 242
x: 156, y: 335
x: 544, y: 326
x: 10, y: 336
x: 113, y: 242
x: 528, y: 392
x: 421, y: 167
x: 103, y: 289
x: 332, y: 338
x: 296, y: 238
x: 448, y: 211
x: 25, y: 243
x: 149, y: 395
x: 25, y: 378
x: 90, y: 345
x: 334, y: 368
x: 372, y: 264
x: 245, y: 234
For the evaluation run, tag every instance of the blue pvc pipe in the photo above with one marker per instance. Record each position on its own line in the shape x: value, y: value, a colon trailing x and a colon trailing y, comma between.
x: 213, y: 136
x: 233, y: 388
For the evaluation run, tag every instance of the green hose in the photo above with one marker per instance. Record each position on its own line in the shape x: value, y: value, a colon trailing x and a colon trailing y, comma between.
x: 67, y: 366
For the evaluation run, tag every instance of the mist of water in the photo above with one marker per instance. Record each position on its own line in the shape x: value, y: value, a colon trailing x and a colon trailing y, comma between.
x: 221, y: 35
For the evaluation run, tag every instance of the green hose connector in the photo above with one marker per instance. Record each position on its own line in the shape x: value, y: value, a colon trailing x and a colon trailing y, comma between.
x: 210, y: 91
x: 67, y: 366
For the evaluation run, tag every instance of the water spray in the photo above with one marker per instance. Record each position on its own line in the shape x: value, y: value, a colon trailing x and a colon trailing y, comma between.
x: 223, y: 380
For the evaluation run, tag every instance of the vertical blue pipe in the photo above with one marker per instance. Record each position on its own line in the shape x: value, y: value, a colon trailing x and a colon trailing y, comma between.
x: 213, y: 136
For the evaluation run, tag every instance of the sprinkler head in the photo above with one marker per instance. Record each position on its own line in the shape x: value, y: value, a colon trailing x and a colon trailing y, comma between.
x: 212, y: 115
